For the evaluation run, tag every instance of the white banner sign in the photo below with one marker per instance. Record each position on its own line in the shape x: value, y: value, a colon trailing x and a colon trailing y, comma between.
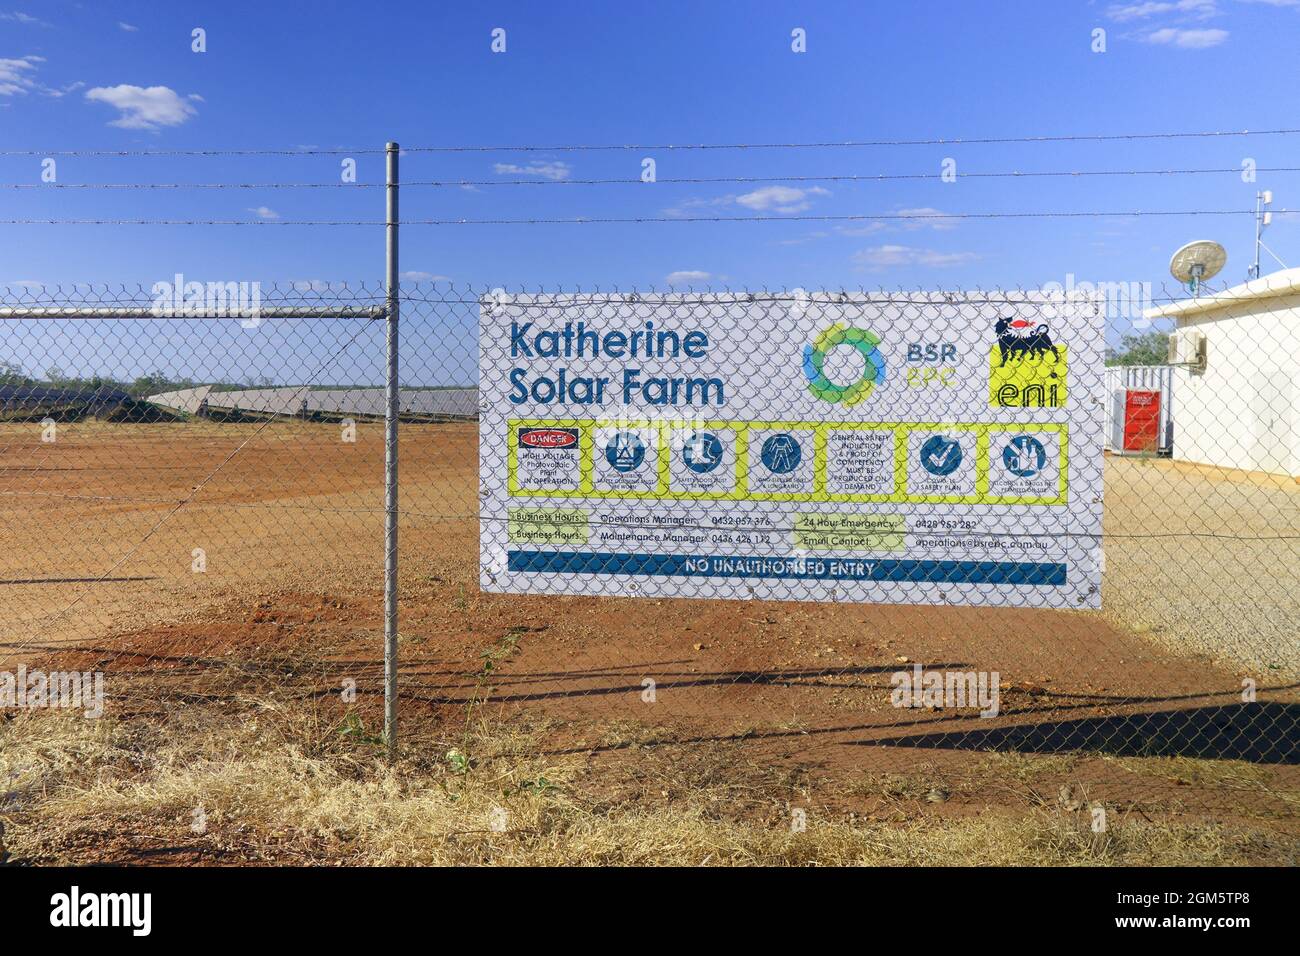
x: 936, y: 449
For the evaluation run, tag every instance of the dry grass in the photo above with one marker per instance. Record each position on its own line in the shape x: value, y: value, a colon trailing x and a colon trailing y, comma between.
x: 1226, y: 775
x: 1008, y: 771
x: 287, y: 787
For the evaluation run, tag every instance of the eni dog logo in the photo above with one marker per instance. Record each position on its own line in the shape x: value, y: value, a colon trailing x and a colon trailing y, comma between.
x: 1026, y: 368
x: 814, y: 365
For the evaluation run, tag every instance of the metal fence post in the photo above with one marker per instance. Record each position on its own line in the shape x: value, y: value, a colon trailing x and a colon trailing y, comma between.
x: 391, y: 412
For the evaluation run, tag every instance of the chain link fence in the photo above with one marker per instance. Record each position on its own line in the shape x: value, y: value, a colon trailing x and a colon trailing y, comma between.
x: 193, y: 509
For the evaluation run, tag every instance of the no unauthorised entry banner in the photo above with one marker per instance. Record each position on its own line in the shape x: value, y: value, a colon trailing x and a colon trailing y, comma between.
x: 930, y: 448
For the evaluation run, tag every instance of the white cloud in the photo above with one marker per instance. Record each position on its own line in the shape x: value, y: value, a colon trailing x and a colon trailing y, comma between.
x: 865, y: 229
x: 691, y: 205
x: 1187, y: 39
x: 143, y: 107
x: 418, y: 276
x: 63, y: 90
x: 782, y: 199
x: 16, y: 74
x: 1199, y: 9
x: 264, y: 212
x: 687, y: 277
x: 884, y: 257
x: 802, y: 240
x: 1179, y: 14
x: 127, y: 27
x: 928, y: 218
x: 17, y: 16
x: 555, y: 170
x: 18, y: 77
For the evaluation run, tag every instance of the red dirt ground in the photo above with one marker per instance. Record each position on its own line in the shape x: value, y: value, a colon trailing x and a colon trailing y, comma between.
x: 98, y: 558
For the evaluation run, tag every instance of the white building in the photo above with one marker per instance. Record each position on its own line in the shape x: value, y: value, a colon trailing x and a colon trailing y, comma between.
x: 1238, y: 403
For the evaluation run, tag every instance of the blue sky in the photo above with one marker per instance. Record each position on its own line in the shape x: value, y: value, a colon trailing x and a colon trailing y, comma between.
x: 285, y: 76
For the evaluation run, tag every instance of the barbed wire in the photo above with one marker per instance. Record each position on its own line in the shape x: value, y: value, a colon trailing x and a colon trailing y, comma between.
x: 608, y: 220
x: 14, y: 298
x: 829, y: 144
x: 677, y: 180
x: 588, y: 147
x: 859, y: 298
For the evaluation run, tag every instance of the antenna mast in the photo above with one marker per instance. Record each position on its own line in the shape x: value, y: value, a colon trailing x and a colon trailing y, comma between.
x: 1263, y: 216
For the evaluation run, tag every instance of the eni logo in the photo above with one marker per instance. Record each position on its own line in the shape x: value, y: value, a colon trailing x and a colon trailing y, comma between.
x: 814, y: 365
x: 1026, y: 368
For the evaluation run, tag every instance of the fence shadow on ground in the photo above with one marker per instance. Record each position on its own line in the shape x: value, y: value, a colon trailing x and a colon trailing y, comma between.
x: 1186, y: 725
x: 627, y: 680
x: 1223, y: 732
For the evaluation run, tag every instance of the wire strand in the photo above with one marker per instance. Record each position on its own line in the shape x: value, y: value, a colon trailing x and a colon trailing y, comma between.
x: 937, y: 141
x: 607, y: 220
x: 589, y: 147
x: 680, y: 180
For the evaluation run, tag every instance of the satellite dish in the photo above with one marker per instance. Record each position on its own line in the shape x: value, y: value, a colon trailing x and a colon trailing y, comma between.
x: 1196, y: 262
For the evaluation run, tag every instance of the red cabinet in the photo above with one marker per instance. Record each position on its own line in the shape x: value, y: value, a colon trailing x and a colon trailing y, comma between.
x: 1141, y: 421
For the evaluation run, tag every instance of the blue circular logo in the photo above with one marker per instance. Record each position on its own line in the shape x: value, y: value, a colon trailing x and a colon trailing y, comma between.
x: 814, y: 362
x: 781, y: 454
x: 1024, y: 456
x: 625, y: 452
x: 941, y: 455
x: 702, y: 453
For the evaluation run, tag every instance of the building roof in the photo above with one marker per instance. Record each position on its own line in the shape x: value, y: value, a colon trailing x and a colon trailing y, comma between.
x: 1284, y: 282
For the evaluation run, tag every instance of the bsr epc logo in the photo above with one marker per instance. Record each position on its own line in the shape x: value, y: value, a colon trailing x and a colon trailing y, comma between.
x: 930, y: 364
